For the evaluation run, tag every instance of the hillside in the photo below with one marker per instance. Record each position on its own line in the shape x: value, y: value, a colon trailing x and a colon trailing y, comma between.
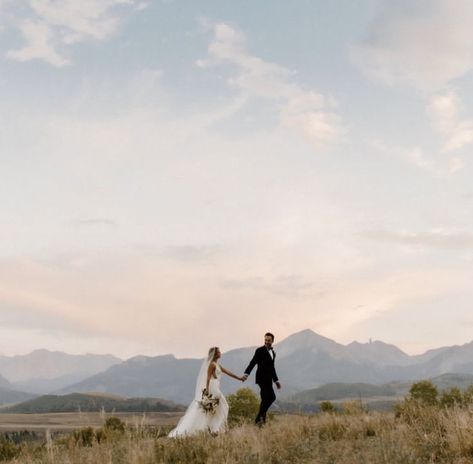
x: 378, y: 397
x: 337, y: 391
x: 89, y: 402
x: 143, y: 376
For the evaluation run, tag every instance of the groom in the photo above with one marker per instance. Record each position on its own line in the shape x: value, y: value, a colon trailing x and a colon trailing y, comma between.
x: 265, y: 375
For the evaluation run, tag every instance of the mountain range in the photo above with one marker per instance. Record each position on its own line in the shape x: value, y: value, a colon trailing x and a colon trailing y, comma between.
x: 41, y: 370
x: 305, y: 360
x: 23, y: 377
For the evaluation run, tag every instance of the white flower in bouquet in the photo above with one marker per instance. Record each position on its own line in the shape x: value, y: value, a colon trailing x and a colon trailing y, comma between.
x: 208, y: 403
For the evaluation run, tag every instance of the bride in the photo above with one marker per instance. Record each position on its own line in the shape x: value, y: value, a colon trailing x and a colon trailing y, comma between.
x: 199, y: 415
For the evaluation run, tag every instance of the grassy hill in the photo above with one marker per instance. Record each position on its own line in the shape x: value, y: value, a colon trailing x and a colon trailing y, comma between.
x: 337, y: 391
x: 378, y: 397
x: 90, y: 402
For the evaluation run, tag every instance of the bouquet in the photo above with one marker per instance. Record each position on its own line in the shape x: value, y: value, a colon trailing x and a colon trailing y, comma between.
x: 208, y: 403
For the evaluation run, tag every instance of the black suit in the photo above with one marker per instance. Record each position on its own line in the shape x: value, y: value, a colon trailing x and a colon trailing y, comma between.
x: 265, y: 376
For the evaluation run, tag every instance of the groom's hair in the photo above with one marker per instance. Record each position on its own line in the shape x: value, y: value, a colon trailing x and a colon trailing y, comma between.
x: 269, y: 334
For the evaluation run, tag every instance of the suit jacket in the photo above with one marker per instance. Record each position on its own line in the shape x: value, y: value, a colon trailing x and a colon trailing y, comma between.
x: 265, y: 373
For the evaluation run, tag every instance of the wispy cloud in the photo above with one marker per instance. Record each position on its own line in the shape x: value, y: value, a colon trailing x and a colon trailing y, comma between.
x: 151, y: 298
x: 139, y: 295
x: 292, y: 286
x: 51, y: 26
x: 437, y: 238
x: 444, y: 111
x: 142, y: 5
x: 192, y: 253
x: 426, y: 46
x: 96, y: 222
x: 360, y: 300
x: 39, y: 38
x: 430, y: 162
x: 303, y: 110
x: 418, y: 43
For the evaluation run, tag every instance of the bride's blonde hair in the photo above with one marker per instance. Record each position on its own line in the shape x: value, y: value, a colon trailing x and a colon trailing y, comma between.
x: 212, y: 353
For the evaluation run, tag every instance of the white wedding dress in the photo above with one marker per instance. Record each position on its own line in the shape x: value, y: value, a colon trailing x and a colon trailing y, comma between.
x: 195, y: 419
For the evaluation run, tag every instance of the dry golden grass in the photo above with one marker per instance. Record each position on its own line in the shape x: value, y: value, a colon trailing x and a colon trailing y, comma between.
x: 420, y: 435
x: 63, y: 421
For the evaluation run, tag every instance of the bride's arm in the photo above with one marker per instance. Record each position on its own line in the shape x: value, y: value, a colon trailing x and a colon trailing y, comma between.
x: 231, y: 374
x: 210, y: 373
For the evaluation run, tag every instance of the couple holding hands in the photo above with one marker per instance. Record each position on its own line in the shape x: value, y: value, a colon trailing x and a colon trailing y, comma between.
x: 209, y: 409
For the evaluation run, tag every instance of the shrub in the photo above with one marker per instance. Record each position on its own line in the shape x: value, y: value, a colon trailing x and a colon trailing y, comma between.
x: 114, y: 424
x: 84, y: 437
x: 452, y: 397
x: 244, y: 405
x: 113, y: 429
x: 8, y: 450
x: 327, y: 406
x: 352, y: 407
x: 424, y: 392
x: 468, y: 395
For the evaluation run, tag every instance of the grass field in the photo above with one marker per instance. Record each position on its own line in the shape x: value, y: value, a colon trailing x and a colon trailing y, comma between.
x: 72, y: 421
x: 420, y: 435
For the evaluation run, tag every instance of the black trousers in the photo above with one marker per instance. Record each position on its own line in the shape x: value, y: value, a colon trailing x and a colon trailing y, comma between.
x: 267, y: 398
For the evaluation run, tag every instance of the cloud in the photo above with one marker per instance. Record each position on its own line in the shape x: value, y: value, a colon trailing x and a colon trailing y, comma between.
x: 444, y: 111
x: 142, y: 6
x: 416, y: 156
x: 191, y: 197
x: 191, y: 253
x: 3, y: 3
x: 425, y: 44
x: 363, y: 300
x: 96, y: 222
x: 430, y: 162
x: 33, y: 299
x: 53, y: 25
x: 438, y: 238
x: 154, y: 297
x: 184, y: 186
x: 305, y: 111
x: 150, y: 296
x: 291, y: 286
x: 39, y: 38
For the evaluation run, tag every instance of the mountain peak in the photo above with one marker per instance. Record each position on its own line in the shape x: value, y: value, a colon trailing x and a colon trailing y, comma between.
x: 310, y: 341
x: 378, y: 352
x: 307, y: 335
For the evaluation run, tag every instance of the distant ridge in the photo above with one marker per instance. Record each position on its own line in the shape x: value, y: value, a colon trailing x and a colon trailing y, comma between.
x: 89, y: 402
x: 4, y: 383
x: 9, y: 396
x: 143, y: 376
x: 43, y: 370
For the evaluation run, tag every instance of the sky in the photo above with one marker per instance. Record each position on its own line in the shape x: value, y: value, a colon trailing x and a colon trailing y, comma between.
x: 178, y: 174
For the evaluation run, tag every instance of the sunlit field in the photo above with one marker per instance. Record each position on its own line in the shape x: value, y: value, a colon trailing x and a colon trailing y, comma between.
x: 417, y: 435
x: 61, y: 422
